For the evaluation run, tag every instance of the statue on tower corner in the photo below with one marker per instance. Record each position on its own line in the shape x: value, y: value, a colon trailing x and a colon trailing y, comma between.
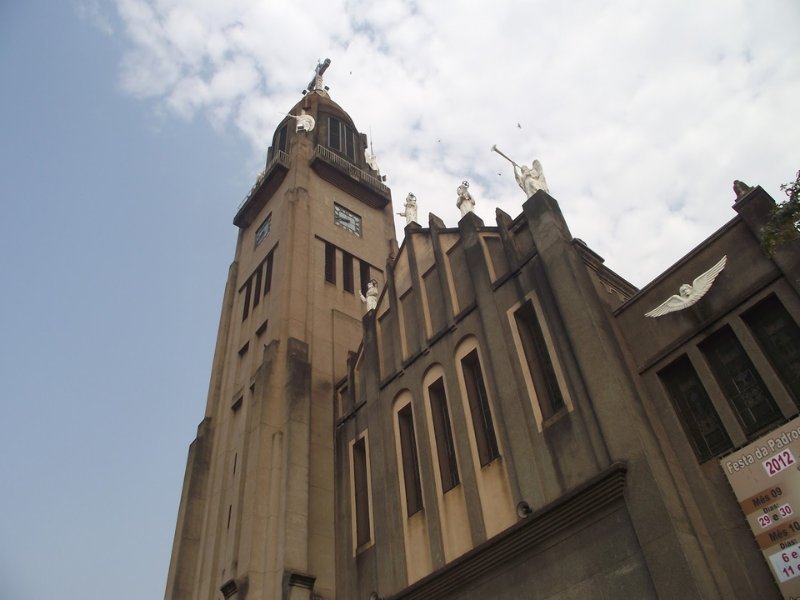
x: 531, y: 179
x: 741, y: 189
x: 305, y: 122
x: 465, y: 202
x: 371, y: 299
x: 410, y: 212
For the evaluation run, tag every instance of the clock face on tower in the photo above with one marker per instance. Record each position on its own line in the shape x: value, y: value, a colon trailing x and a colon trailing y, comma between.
x: 263, y: 229
x: 347, y: 220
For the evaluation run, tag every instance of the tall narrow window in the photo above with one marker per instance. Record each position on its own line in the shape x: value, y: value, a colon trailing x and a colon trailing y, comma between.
x: 408, y: 449
x: 364, y: 273
x: 740, y: 381
x: 479, y: 408
x: 334, y: 134
x: 257, y: 290
x: 330, y: 263
x: 443, y: 434
x: 361, y: 491
x: 779, y: 337
x: 281, y: 137
x: 696, y: 412
x: 268, y: 272
x: 246, y: 307
x: 349, y: 143
x: 342, y: 138
x: 348, y: 281
x: 538, y: 358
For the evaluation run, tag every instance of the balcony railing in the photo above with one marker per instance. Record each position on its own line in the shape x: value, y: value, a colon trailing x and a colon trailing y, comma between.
x: 281, y: 158
x: 344, y: 165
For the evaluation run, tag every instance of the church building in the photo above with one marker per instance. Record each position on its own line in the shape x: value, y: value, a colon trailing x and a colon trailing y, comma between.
x: 487, y: 410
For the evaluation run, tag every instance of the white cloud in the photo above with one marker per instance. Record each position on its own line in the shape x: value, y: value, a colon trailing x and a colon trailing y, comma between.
x: 90, y: 11
x: 642, y: 112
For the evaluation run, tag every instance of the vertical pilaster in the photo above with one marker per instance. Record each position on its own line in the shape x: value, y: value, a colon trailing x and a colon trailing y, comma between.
x: 677, y: 565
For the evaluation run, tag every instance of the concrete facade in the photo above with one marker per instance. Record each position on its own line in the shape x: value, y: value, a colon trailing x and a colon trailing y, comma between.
x: 595, y: 488
x: 256, y: 518
x: 504, y: 424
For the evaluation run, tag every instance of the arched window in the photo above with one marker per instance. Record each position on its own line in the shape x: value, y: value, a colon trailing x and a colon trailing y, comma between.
x: 360, y: 492
x: 409, y: 460
x: 477, y: 398
x: 341, y: 138
x: 443, y: 434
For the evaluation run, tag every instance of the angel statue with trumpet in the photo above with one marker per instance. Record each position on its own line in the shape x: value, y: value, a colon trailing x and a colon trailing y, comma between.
x: 530, y: 179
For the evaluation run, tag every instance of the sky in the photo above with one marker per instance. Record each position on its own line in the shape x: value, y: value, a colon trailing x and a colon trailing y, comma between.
x: 130, y: 130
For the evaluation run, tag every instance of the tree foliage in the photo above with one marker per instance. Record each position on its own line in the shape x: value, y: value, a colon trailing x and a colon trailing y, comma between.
x: 784, y: 220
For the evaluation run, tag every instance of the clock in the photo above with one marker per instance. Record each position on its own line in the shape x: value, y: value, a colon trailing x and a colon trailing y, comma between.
x: 263, y: 229
x: 347, y: 220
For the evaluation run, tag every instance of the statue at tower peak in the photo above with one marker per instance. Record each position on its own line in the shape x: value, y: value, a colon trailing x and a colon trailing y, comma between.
x: 410, y: 212
x: 316, y: 84
x: 465, y: 202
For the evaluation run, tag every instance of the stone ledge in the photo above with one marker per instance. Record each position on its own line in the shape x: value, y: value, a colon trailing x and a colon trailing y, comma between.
x: 576, y: 505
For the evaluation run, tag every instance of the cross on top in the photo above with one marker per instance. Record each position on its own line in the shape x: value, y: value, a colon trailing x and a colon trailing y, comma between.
x: 316, y: 81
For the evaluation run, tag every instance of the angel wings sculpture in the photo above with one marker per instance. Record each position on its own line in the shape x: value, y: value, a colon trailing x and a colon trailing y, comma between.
x: 689, y: 294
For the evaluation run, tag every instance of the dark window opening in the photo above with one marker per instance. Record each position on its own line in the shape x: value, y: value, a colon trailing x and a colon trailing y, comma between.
x: 230, y: 508
x: 261, y: 329
x: 361, y: 485
x: 257, y: 290
x: 479, y: 409
x: 349, y: 143
x: 281, y: 138
x: 445, y: 448
x: 348, y: 281
x: 330, y: 263
x: 246, y: 307
x: 268, y: 272
x: 779, y: 338
x: 235, y: 458
x: 364, y: 272
x: 342, y: 138
x: 334, y: 135
x: 696, y: 412
x: 540, y: 366
x: 408, y: 450
x: 740, y: 382
x: 243, y: 350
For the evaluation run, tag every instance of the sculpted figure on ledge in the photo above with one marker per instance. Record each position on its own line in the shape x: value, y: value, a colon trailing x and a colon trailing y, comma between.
x: 410, y: 212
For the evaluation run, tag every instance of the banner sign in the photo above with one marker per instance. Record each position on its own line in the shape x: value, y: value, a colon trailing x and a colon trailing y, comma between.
x: 765, y: 476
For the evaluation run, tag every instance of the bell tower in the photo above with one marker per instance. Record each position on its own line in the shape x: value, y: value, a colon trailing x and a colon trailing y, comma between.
x: 256, y: 517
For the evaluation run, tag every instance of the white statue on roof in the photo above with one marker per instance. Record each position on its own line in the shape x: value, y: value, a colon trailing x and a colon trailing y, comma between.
x: 410, y: 212
x: 531, y: 179
x: 465, y: 202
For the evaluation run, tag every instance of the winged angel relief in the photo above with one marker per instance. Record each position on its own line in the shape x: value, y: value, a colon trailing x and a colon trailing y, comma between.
x: 689, y: 294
